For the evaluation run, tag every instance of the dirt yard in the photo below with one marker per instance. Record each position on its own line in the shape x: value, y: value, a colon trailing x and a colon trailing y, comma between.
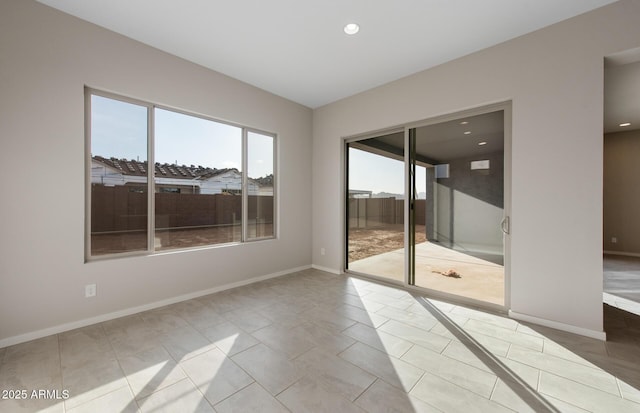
x: 366, y: 242
x: 174, y: 238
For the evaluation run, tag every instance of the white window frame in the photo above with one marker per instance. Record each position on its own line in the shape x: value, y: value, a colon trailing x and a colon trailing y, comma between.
x: 89, y: 92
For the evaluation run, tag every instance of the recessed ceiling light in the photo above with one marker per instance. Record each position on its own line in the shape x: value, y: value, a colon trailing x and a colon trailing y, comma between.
x: 625, y: 124
x: 464, y: 122
x: 482, y: 143
x: 468, y: 132
x: 351, y: 28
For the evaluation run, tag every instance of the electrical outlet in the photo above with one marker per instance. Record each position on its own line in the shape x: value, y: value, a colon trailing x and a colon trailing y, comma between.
x: 322, y: 251
x: 90, y: 290
x: 614, y: 240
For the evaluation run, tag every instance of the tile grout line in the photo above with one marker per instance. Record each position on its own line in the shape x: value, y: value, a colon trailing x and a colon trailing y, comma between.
x: 584, y: 385
x: 417, y: 381
x: 232, y: 394
x: 365, y: 390
x: 539, y: 378
x: 619, y: 387
x: 64, y: 402
x: 558, y: 398
x: 407, y: 350
x: 117, y: 360
x: 135, y: 401
x: 493, y: 390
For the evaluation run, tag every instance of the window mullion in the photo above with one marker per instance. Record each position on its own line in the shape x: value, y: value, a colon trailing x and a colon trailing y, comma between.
x: 244, y: 185
x: 151, y: 169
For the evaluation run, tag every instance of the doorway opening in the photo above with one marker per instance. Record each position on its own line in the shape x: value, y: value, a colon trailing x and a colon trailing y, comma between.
x: 621, y: 199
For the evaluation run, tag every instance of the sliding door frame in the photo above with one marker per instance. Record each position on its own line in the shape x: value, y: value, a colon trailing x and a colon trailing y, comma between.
x: 409, y: 211
x: 345, y: 191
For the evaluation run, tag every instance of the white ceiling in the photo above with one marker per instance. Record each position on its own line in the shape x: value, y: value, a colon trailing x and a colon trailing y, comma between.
x: 297, y: 49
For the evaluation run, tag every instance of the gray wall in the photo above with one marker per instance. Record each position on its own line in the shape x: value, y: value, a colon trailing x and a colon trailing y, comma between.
x: 554, y: 78
x: 622, y: 191
x: 471, y: 205
x: 46, y: 59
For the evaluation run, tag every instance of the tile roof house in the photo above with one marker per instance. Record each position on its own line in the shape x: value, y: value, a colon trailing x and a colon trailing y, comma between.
x: 175, y: 178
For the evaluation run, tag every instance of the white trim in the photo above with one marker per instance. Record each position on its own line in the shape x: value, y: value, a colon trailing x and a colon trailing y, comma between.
x: 628, y: 254
x: 326, y: 269
x: 151, y: 178
x: 22, y: 338
x: 598, y: 335
x: 408, y: 202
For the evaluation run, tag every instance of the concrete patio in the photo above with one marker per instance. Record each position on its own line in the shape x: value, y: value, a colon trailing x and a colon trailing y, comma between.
x: 480, y: 279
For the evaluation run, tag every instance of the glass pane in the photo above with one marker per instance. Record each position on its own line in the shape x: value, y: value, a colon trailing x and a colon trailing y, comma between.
x: 261, y: 196
x: 459, y: 241
x: 198, y: 181
x: 118, y: 176
x: 376, y: 206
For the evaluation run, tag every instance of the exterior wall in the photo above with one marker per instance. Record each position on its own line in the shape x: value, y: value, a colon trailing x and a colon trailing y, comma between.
x: 471, y: 205
x: 622, y: 192
x: 47, y: 59
x: 554, y: 78
x: 227, y: 181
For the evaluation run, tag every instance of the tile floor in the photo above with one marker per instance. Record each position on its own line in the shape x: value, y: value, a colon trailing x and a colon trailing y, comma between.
x: 622, y: 282
x: 316, y: 342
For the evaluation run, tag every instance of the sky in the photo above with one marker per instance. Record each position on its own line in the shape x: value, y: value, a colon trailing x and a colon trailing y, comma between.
x: 370, y: 172
x: 119, y: 129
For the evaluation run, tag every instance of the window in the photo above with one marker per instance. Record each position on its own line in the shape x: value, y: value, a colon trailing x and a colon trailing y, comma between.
x: 209, y: 182
x: 260, y: 186
x: 119, y: 200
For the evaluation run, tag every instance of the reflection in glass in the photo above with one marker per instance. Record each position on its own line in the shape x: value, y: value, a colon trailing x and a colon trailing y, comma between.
x: 118, y: 176
x: 463, y: 208
x: 198, y: 181
x: 260, y: 185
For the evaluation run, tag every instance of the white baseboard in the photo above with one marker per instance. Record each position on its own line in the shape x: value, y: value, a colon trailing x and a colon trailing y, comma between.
x: 599, y: 335
x: 627, y: 254
x: 326, y: 269
x: 22, y: 338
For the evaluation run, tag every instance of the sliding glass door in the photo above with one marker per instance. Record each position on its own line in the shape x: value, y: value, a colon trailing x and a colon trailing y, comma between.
x: 447, y: 181
x: 459, y: 207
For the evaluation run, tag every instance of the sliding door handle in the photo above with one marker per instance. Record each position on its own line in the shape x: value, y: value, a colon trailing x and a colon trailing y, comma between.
x: 505, y: 225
